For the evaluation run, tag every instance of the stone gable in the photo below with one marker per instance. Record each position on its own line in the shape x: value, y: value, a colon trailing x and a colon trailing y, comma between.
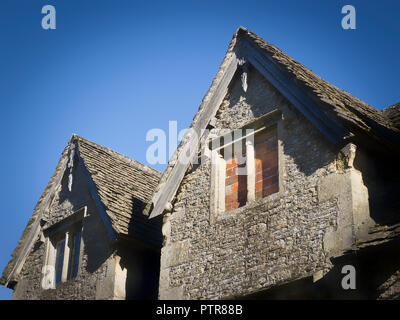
x: 275, y: 239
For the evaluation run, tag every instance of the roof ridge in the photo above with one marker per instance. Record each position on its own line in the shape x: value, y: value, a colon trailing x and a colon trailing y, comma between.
x: 117, y: 155
x: 393, y: 106
x: 393, y: 114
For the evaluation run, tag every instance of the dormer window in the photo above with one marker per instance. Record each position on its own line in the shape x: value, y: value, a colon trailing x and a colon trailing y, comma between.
x: 64, y: 247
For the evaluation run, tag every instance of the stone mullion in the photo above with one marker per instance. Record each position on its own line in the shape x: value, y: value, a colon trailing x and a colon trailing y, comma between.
x: 64, y: 274
x: 251, y: 171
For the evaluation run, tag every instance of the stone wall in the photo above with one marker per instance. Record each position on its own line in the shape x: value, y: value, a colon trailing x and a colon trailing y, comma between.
x: 267, y: 242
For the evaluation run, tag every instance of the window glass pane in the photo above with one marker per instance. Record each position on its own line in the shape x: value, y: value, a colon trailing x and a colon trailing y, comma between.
x: 59, y: 260
x: 75, y: 255
x: 71, y: 246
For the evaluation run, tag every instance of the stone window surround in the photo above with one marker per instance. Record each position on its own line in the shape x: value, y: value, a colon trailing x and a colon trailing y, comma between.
x: 63, y: 229
x: 217, y: 192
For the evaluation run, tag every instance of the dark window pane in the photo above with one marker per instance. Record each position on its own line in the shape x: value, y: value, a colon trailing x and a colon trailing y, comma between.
x: 71, y: 246
x: 75, y: 253
x: 59, y: 260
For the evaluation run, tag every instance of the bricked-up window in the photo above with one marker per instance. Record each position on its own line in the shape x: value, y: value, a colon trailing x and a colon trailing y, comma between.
x: 266, y: 163
x: 248, y: 173
x: 235, y: 183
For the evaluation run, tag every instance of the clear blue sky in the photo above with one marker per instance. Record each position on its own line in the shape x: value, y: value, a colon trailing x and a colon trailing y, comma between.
x: 112, y: 70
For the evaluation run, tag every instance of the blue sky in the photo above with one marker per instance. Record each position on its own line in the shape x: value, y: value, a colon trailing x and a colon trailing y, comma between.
x: 112, y: 70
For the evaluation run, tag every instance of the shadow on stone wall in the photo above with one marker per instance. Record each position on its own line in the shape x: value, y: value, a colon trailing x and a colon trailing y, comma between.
x: 141, y: 256
x: 143, y: 265
x: 377, y: 277
x: 141, y: 227
x: 381, y: 177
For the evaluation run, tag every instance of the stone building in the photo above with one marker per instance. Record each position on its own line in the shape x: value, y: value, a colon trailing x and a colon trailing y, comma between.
x: 284, y: 187
x: 291, y: 190
x: 88, y: 237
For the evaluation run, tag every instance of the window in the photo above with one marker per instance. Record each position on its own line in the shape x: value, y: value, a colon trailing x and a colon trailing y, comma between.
x: 59, y: 260
x: 244, y: 167
x: 63, y: 250
x: 67, y: 251
x: 74, y: 256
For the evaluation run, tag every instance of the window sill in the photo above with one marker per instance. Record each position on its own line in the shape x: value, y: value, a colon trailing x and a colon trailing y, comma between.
x: 270, y: 199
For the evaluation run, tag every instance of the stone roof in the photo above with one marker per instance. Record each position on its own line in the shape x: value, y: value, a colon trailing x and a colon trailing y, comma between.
x: 346, y: 106
x: 361, y: 119
x: 393, y: 113
x: 122, y: 184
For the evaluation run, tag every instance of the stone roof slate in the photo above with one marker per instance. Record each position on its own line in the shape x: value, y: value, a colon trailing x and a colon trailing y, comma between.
x: 393, y: 113
x: 344, y: 104
x: 122, y: 183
